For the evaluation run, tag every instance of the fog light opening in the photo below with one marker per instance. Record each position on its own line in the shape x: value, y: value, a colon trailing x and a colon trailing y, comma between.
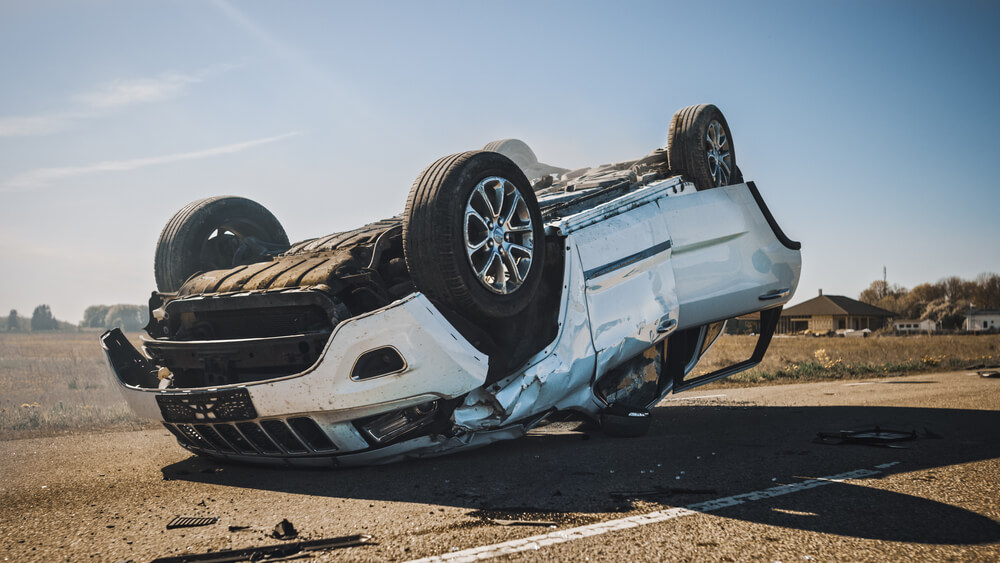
x: 395, y: 424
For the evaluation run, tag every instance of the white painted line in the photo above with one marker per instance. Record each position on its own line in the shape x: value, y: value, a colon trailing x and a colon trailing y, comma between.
x: 693, y: 398
x: 535, y: 543
x: 887, y: 465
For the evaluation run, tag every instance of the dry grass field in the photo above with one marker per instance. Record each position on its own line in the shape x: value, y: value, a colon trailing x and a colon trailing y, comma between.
x: 54, y: 383
x: 803, y: 358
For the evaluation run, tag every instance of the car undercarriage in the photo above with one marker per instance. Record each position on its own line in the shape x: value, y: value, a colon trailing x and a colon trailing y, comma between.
x: 508, y: 290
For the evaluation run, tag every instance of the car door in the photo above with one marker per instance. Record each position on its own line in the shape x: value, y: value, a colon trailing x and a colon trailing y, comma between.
x: 630, y: 289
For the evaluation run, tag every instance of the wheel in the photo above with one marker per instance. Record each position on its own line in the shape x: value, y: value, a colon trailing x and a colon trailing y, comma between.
x: 514, y: 149
x: 215, y: 233
x: 473, y: 237
x: 700, y: 147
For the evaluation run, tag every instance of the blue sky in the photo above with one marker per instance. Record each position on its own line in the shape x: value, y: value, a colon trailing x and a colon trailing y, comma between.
x: 870, y: 127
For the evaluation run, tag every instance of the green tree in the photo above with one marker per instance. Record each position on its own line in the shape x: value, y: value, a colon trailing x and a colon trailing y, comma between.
x: 126, y: 317
x: 93, y: 316
x: 947, y: 313
x: 986, y: 294
x: 957, y: 289
x: 12, y: 321
x: 42, y: 319
x: 887, y: 296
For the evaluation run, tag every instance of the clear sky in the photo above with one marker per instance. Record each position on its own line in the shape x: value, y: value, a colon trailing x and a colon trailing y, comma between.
x: 871, y: 127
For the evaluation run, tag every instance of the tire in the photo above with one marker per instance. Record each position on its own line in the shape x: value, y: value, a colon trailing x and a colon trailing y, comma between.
x: 243, y: 232
x: 458, y: 251
x: 700, y: 147
x: 514, y: 149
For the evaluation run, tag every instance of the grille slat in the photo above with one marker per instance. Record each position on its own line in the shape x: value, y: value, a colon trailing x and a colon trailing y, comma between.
x: 230, y: 433
x: 283, y: 436
x: 309, y: 431
x: 191, y: 436
x: 212, y: 436
x: 269, y: 438
x: 256, y: 435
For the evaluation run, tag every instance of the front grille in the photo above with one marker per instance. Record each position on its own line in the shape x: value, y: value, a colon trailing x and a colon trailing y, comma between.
x: 272, y: 437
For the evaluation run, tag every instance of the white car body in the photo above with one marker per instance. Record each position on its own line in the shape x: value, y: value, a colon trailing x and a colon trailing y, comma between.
x: 657, y: 261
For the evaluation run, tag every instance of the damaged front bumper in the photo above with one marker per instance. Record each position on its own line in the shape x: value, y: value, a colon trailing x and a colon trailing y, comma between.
x: 327, y: 414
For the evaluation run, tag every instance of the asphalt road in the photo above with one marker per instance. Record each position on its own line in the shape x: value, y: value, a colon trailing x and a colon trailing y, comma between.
x: 725, y: 475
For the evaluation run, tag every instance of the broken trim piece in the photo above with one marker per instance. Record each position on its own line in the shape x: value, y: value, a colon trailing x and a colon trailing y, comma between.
x: 267, y: 552
x: 632, y: 259
x: 191, y: 521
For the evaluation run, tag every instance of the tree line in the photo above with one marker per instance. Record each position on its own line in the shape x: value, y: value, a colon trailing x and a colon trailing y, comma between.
x: 946, y: 301
x: 126, y: 317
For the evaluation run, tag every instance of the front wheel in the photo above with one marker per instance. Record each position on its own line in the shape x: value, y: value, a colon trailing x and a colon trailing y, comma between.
x: 700, y: 147
x: 215, y: 233
x: 473, y: 236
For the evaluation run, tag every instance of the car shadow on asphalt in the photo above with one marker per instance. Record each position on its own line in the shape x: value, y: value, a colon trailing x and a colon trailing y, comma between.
x: 693, y: 453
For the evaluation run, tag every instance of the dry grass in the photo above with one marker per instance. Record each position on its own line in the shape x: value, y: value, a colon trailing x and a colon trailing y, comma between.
x: 795, y: 359
x: 59, y: 382
x: 52, y: 383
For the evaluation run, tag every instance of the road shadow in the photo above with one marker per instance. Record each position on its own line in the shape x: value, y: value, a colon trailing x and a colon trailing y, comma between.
x: 691, y: 454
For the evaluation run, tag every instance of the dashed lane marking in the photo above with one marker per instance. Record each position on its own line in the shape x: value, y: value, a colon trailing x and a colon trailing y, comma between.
x: 535, y: 543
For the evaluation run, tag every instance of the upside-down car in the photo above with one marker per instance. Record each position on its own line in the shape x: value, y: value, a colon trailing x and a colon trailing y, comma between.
x: 507, y: 291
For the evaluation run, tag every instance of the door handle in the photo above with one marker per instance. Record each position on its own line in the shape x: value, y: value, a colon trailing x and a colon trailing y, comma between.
x: 775, y: 294
x: 666, y: 326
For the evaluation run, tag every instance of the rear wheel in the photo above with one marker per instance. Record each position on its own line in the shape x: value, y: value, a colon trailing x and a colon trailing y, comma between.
x: 700, y: 147
x: 215, y: 233
x: 514, y: 149
x: 473, y: 236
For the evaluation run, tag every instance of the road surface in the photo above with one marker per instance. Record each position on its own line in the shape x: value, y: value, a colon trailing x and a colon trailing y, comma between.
x: 724, y: 474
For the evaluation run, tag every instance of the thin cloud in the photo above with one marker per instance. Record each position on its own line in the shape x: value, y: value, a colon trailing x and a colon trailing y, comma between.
x: 104, y: 98
x: 43, y: 176
x: 31, y: 125
x: 118, y: 93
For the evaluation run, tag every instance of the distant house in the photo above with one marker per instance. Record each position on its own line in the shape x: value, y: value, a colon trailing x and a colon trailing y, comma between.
x: 914, y: 326
x: 827, y: 313
x: 982, y: 320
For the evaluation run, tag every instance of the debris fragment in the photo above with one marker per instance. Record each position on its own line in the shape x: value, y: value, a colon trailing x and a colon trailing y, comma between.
x: 238, y: 528
x: 992, y: 373
x: 284, y: 530
x: 269, y: 552
x: 869, y: 437
x: 191, y: 522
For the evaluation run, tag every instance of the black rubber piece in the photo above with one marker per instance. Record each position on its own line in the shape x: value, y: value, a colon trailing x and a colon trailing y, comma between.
x: 624, y: 421
x: 775, y: 228
x: 687, y: 147
x: 184, y: 247
x: 433, y: 235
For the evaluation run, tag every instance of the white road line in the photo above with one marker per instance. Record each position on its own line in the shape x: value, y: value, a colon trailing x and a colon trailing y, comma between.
x: 693, y: 398
x: 535, y: 543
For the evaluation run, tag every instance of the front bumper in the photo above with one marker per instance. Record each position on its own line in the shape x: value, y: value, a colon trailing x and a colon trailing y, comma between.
x: 309, y: 417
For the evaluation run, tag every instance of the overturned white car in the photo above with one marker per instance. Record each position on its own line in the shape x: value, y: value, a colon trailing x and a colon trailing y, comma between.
x: 491, y: 303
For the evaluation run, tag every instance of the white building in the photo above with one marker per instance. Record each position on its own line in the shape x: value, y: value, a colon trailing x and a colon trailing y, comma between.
x: 978, y: 321
x: 911, y: 326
